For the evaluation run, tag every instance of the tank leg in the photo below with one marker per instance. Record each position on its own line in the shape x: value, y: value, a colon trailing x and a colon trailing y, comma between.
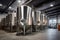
x: 31, y: 29
x: 36, y: 29
x: 24, y: 30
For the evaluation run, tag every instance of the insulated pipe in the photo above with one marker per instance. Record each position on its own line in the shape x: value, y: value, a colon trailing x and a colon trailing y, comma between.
x: 23, y: 2
x: 27, y: 2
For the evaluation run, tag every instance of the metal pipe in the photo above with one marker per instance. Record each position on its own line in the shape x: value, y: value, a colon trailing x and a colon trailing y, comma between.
x: 27, y: 2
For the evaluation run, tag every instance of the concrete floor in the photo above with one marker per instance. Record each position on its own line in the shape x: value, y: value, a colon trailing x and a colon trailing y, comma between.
x: 49, y: 34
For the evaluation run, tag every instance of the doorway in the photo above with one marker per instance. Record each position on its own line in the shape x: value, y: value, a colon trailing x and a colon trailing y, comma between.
x: 53, y: 23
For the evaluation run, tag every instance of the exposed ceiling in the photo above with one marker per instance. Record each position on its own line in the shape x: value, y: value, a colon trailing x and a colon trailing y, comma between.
x: 38, y: 3
x: 5, y: 5
x: 53, y: 11
x: 43, y: 5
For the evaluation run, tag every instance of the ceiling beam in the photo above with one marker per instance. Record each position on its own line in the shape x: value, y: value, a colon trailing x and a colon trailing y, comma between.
x: 11, y: 2
x: 55, y: 11
x: 56, y: 14
x: 43, y: 2
x: 57, y: 5
x: 52, y: 9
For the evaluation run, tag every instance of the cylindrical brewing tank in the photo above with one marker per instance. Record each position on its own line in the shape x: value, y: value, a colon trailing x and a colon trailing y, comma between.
x: 41, y: 19
x: 44, y: 19
x: 24, y: 18
x: 38, y: 18
x: 34, y: 17
x: 24, y: 15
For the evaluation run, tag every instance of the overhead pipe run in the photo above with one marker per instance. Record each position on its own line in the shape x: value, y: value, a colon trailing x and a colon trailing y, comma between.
x: 23, y: 2
x: 11, y: 2
x: 27, y: 2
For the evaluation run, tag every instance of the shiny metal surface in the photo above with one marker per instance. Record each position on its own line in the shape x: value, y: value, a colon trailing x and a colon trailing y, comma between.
x: 24, y: 13
x: 24, y: 18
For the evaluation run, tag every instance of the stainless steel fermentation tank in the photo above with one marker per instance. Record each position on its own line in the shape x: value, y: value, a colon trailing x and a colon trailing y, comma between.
x: 24, y: 18
x: 44, y: 21
x: 36, y: 20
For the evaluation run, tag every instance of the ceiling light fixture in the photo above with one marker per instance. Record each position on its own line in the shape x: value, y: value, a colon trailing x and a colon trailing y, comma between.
x: 10, y: 7
x: 51, y: 5
x: 19, y: 1
x: 1, y: 5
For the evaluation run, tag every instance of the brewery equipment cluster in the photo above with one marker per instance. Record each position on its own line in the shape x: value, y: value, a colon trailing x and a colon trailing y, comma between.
x: 26, y: 19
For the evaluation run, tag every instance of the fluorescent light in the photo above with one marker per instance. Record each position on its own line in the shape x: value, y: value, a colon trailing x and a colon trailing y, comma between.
x: 10, y: 7
x: 1, y: 5
x: 51, y: 5
x: 19, y: 1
